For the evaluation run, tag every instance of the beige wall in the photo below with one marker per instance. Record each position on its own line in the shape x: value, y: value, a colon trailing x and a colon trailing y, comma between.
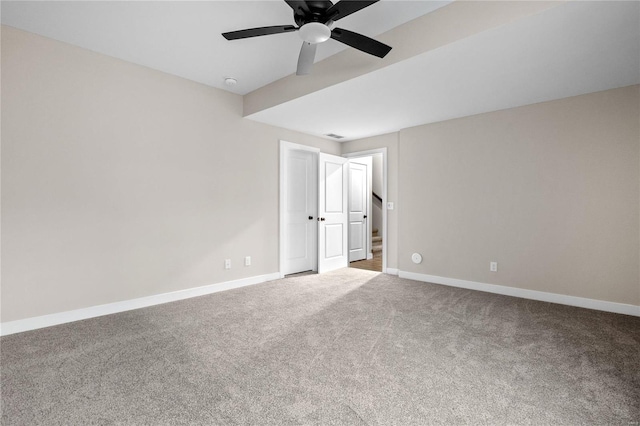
x: 121, y: 182
x: 389, y: 141
x: 550, y: 191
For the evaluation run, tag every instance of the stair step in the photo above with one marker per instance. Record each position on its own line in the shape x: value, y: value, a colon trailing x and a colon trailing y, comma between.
x: 376, y: 248
x: 376, y: 239
x: 374, y: 231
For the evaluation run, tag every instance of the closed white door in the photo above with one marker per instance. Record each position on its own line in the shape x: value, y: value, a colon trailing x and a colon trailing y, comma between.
x: 332, y: 213
x: 300, y: 211
x: 359, y: 208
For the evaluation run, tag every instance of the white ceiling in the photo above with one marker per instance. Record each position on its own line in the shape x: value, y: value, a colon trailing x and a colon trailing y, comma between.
x: 574, y: 48
x: 184, y: 37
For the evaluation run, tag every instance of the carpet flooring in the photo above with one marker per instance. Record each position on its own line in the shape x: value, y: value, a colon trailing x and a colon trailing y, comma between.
x: 347, y: 347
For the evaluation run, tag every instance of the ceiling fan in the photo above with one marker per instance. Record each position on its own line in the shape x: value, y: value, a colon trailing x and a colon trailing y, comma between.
x: 315, y: 24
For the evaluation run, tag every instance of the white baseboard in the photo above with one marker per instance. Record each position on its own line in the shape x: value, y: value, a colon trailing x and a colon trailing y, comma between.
x: 600, y: 305
x: 392, y: 271
x: 27, y: 324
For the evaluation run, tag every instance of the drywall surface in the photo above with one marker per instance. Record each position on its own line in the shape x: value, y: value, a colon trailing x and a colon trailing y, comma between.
x: 377, y: 178
x: 120, y: 182
x: 389, y: 141
x: 550, y: 191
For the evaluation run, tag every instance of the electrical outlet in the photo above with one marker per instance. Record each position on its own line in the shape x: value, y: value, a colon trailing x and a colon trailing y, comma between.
x: 493, y: 266
x: 390, y: 205
x: 227, y: 264
x: 247, y: 261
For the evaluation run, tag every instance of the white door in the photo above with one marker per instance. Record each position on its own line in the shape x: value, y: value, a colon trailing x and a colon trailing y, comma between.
x: 332, y: 213
x: 300, y: 211
x: 360, y: 175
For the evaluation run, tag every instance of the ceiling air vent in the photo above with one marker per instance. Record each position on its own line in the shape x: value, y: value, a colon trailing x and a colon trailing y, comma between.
x: 333, y: 135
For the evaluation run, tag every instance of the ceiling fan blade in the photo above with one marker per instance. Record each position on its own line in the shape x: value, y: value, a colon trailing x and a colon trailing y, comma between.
x: 347, y: 7
x: 360, y: 42
x: 255, y: 32
x: 306, y: 58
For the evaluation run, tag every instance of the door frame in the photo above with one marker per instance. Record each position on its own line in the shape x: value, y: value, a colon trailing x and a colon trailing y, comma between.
x: 284, y: 148
x: 368, y: 153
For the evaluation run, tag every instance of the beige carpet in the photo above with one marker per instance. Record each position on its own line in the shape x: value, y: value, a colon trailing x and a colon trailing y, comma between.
x: 347, y: 347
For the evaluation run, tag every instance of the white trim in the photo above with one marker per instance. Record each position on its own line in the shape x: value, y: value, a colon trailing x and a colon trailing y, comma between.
x: 385, y: 162
x: 369, y: 256
x: 34, y: 323
x: 366, y: 153
x: 600, y: 305
x: 299, y: 147
x: 284, y: 147
x: 392, y: 271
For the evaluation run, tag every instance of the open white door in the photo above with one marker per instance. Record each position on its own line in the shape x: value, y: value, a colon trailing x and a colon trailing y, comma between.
x: 332, y: 213
x: 300, y: 211
x: 360, y: 176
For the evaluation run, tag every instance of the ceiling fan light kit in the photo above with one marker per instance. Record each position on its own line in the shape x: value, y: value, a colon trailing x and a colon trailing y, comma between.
x: 314, y: 32
x: 315, y: 20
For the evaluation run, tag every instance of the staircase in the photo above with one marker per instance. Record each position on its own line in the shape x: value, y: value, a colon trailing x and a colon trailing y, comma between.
x: 376, y: 243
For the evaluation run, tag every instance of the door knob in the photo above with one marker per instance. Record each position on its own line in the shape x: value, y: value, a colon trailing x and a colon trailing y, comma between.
x: 310, y: 217
x: 322, y: 219
x: 364, y: 217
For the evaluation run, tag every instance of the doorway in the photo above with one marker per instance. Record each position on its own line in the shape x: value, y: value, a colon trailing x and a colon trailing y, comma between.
x: 359, y: 200
x: 316, y: 186
x: 369, y: 190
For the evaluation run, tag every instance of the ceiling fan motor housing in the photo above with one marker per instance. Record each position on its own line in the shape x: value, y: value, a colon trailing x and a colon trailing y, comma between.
x: 316, y: 11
